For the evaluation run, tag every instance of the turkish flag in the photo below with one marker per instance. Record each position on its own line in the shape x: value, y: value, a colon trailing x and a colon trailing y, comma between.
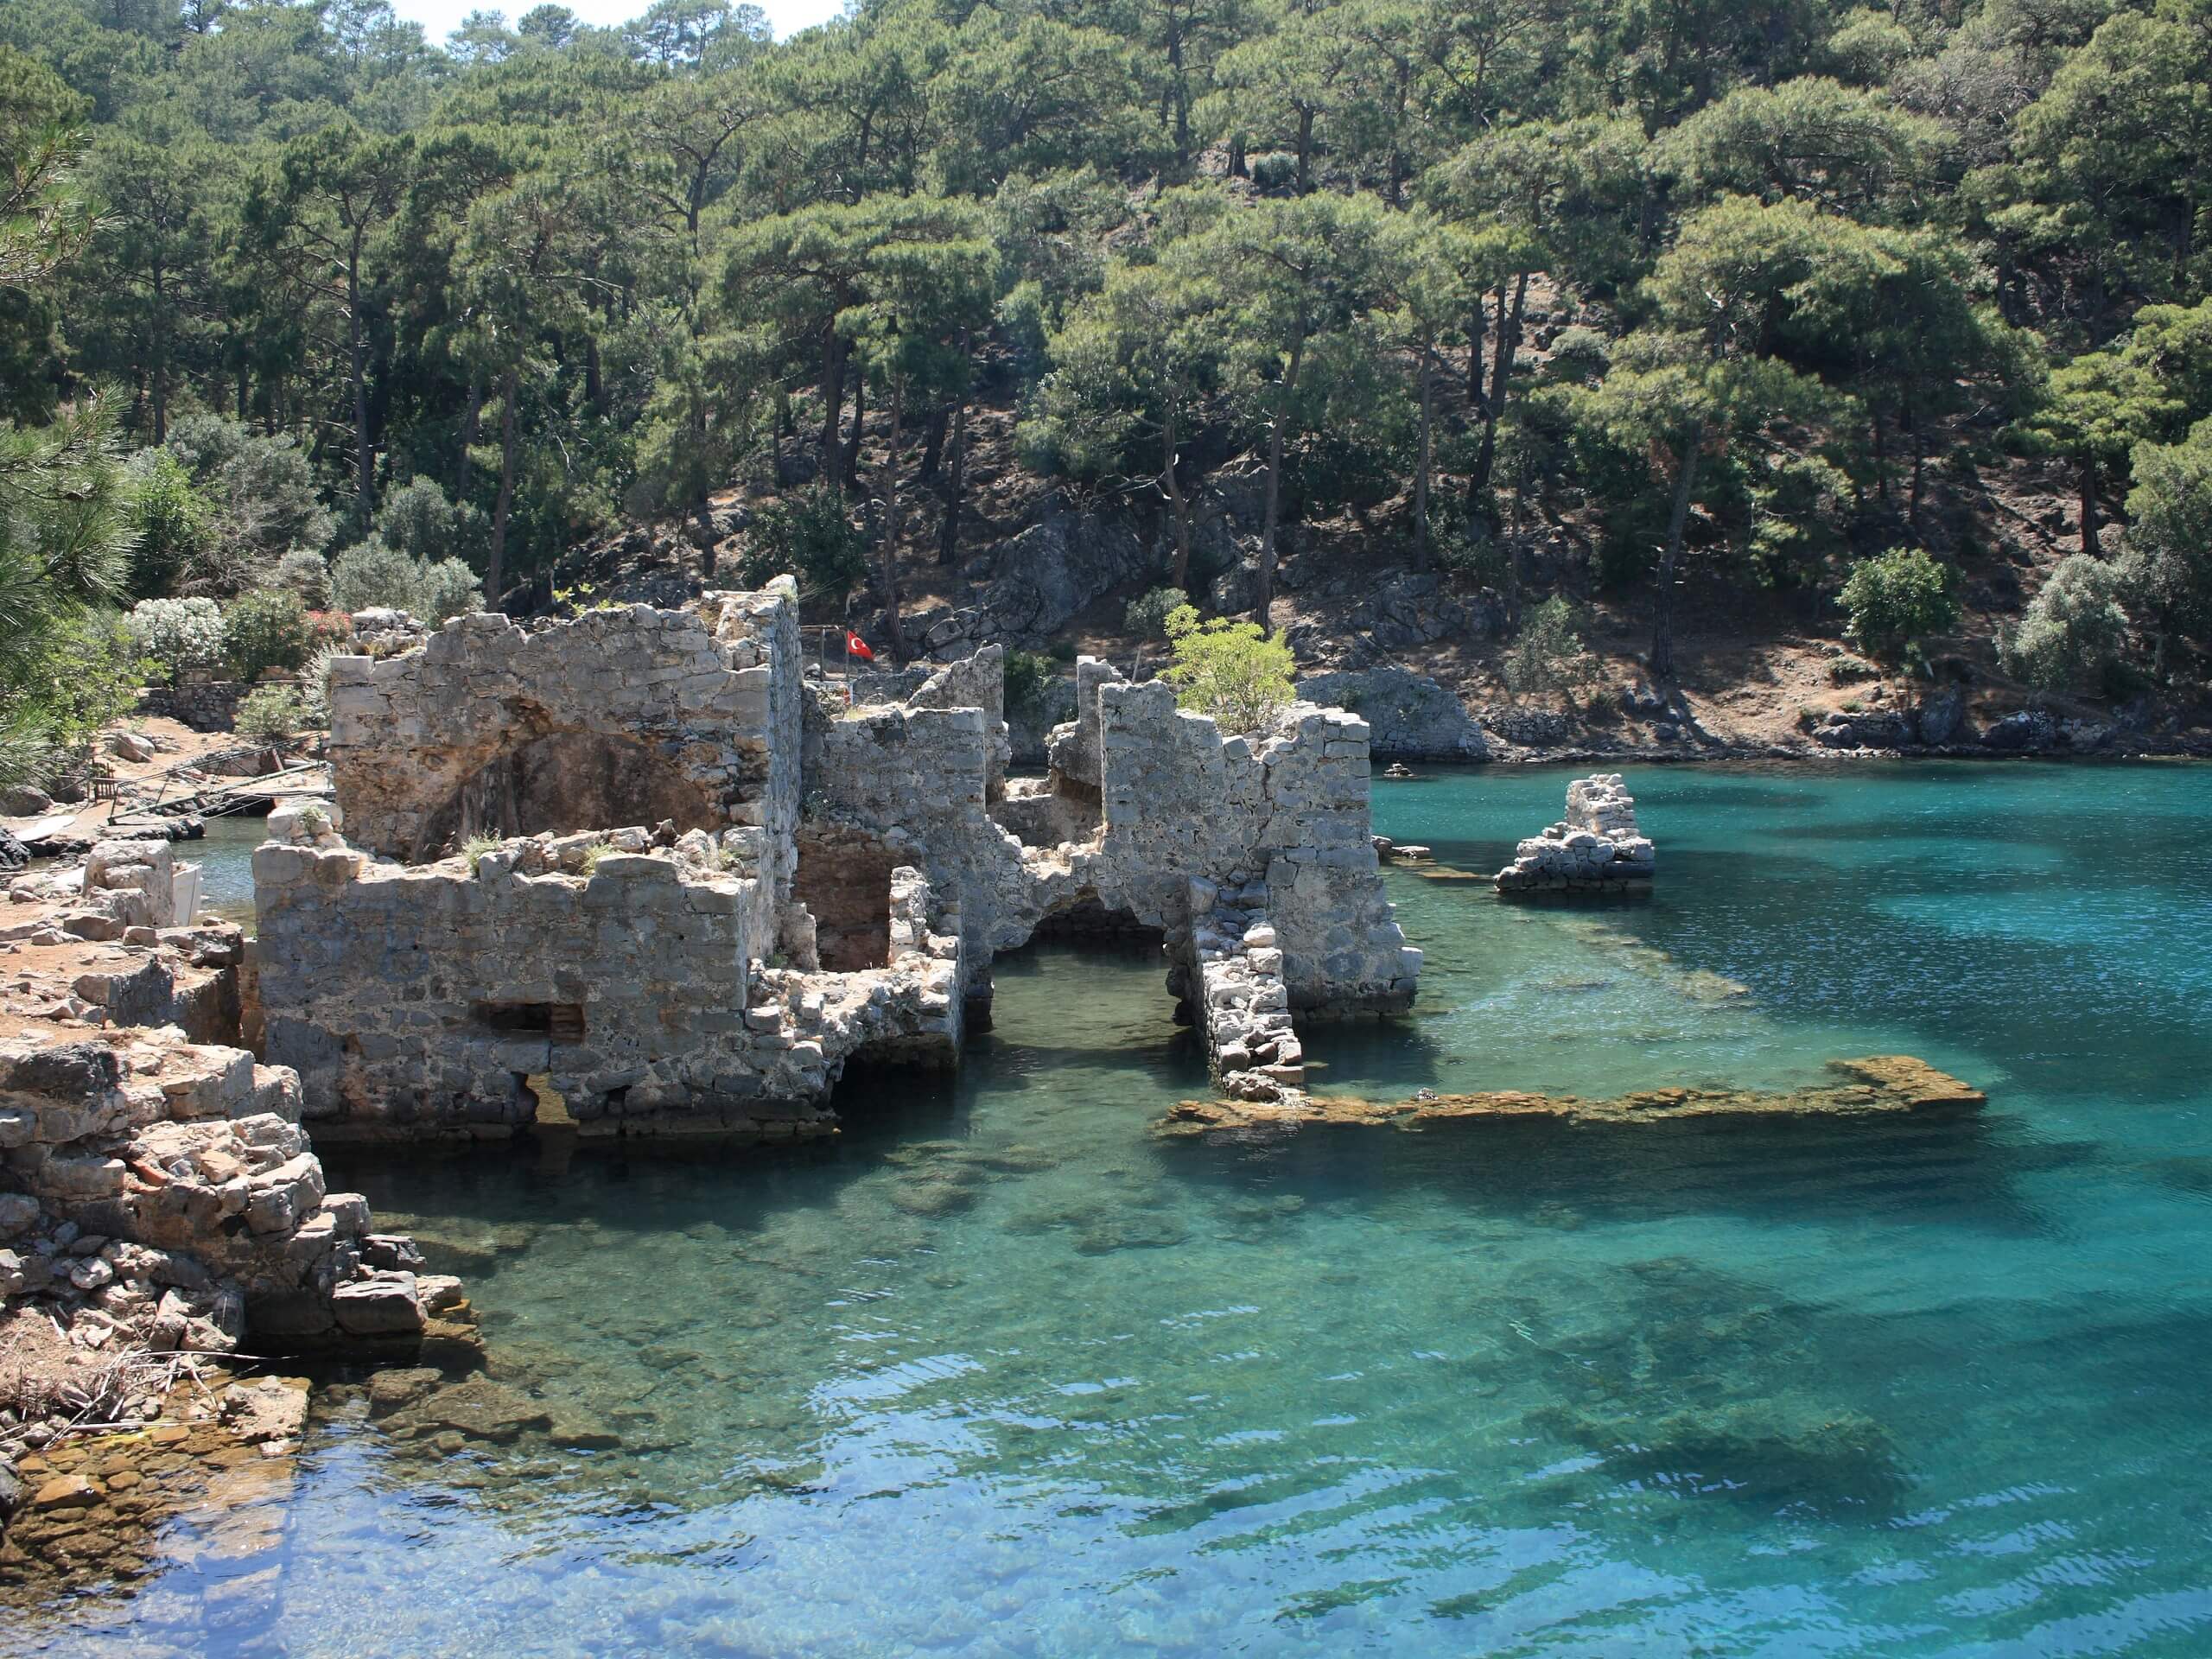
x: 856, y: 646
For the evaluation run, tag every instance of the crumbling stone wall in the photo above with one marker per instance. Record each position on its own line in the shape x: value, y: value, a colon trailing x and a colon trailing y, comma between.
x: 693, y: 715
x: 624, y: 977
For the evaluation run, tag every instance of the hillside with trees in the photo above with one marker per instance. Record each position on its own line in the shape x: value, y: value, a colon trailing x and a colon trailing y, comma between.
x: 1618, y: 325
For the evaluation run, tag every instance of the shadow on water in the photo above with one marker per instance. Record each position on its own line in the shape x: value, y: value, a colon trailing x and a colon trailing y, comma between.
x: 1955, y: 1168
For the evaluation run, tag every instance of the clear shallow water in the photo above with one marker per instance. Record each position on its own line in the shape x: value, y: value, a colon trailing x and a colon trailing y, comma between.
x: 1003, y: 1375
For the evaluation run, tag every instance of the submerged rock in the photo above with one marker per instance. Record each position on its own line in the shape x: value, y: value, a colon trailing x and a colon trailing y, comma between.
x: 1878, y: 1082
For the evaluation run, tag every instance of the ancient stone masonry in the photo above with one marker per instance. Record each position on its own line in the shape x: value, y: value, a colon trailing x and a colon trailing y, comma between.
x: 803, y: 882
x: 1596, y: 846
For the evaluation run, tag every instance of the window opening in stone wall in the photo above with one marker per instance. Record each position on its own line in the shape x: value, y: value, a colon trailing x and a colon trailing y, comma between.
x: 561, y: 1022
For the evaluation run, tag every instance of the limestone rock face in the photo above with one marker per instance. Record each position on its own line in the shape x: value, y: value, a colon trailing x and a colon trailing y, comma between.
x: 1409, y: 716
x: 1598, y: 845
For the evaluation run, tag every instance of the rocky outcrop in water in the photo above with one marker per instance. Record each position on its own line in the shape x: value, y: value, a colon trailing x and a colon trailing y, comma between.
x: 1876, y: 1083
x: 1597, y: 846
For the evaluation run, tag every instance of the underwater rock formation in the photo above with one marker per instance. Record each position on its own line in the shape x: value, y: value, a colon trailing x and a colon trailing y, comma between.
x: 1878, y: 1082
x: 1596, y: 846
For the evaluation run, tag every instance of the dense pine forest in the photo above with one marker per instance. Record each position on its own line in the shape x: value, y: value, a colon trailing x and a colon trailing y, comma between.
x: 299, y: 310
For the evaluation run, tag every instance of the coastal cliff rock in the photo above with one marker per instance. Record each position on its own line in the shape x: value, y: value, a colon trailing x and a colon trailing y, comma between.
x: 1597, y: 845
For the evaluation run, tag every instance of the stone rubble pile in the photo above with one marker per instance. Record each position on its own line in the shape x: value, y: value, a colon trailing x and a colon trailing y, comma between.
x: 1596, y: 846
x: 160, y: 1193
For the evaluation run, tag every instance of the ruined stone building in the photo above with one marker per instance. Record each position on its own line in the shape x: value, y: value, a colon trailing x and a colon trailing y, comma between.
x: 636, y: 870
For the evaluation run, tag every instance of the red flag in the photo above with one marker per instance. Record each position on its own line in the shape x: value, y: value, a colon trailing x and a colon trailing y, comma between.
x: 856, y: 646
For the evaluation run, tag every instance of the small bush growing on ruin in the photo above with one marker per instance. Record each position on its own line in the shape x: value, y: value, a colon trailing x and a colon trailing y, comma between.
x: 1549, y: 655
x: 177, y: 635
x: 1897, y: 599
x: 808, y: 534
x: 314, y: 820
x: 1027, y: 676
x: 1147, y: 616
x: 592, y: 855
x: 269, y: 714
x: 475, y: 849
x: 1227, y: 670
x: 267, y: 631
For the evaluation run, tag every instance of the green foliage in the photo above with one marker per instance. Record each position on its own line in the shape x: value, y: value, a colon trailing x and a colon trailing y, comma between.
x: 315, y: 686
x: 1227, y: 670
x: 372, y: 576
x: 1897, y: 599
x: 2074, y: 631
x: 172, y: 522
x: 417, y: 520
x: 473, y: 848
x: 1147, y: 614
x: 262, y: 492
x: 266, y: 632
x: 88, y: 678
x: 177, y: 637
x: 808, y: 534
x: 1028, y: 675
x: 305, y: 573
x: 269, y: 714
x: 592, y: 856
x: 1547, y: 654
x: 2168, y: 560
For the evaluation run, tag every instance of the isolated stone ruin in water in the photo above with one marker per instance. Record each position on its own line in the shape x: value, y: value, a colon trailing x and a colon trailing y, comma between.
x: 637, y: 872
x: 1596, y: 846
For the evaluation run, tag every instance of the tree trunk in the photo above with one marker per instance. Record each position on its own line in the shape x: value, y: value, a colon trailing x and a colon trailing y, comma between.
x: 2089, y: 507
x: 493, y: 568
x: 1420, y: 474
x: 1678, y: 518
x: 833, y: 400
x: 933, y: 436
x: 1477, y: 328
x: 1264, y: 601
x: 956, y: 486
x: 1919, y: 469
x: 356, y: 349
x: 1508, y: 342
x: 1179, y: 507
x: 888, y: 555
x: 471, y: 418
x: 849, y: 472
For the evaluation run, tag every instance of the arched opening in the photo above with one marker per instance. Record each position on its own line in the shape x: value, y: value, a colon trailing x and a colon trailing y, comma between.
x: 565, y: 782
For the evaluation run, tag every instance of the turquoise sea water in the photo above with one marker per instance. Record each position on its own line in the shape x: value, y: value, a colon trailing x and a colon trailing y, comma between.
x: 1004, y: 1374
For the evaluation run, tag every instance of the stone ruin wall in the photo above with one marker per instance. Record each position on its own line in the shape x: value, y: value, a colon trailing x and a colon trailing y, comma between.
x: 691, y: 987
x: 697, y: 709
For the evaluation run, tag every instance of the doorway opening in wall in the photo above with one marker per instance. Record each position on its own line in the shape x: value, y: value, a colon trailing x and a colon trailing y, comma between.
x: 843, y: 879
x: 1087, y: 916
x: 551, y: 1110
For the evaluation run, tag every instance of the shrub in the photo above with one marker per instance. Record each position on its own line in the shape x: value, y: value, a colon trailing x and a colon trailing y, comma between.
x: 2075, y: 630
x: 305, y: 573
x: 315, y: 686
x: 1897, y: 599
x: 1027, y: 675
x: 269, y: 714
x: 262, y: 490
x: 417, y: 520
x: 172, y: 522
x: 1147, y: 616
x: 1227, y: 670
x: 177, y: 637
x: 808, y: 534
x: 1549, y: 655
x: 86, y: 675
x: 265, y: 631
x: 445, y: 590
x: 1274, y: 170
x: 475, y: 849
x: 370, y: 575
